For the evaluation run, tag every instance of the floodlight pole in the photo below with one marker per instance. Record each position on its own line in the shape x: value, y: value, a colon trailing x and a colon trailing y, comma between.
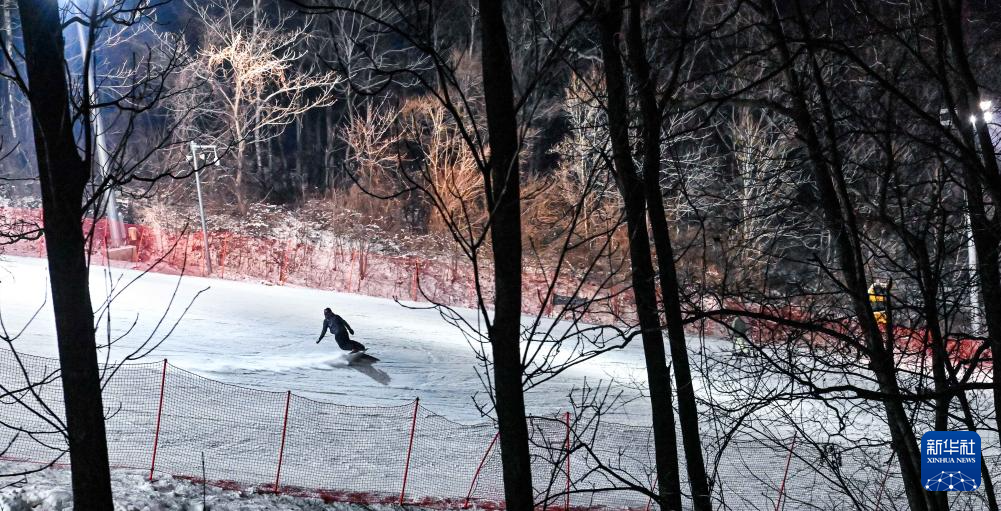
x: 201, y: 206
x: 111, y: 208
x: 986, y: 115
x: 971, y: 258
x: 971, y: 248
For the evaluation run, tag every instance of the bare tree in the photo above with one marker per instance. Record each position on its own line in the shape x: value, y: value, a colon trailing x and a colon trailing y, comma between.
x: 70, y: 189
x: 879, y: 204
x: 483, y: 122
x: 255, y: 84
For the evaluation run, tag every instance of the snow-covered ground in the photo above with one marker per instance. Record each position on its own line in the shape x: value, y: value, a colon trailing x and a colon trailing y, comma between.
x: 49, y: 490
x: 264, y: 337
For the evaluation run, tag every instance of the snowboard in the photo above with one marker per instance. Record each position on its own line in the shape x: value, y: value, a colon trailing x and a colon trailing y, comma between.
x: 361, y: 358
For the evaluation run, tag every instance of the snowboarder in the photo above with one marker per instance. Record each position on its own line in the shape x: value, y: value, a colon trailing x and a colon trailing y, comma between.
x: 339, y: 328
x: 741, y: 343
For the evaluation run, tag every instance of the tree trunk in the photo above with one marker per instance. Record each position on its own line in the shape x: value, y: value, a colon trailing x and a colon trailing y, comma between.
x: 981, y: 173
x: 328, y: 151
x: 665, y: 446
x: 279, y: 179
x: 844, y: 236
x: 271, y: 175
x: 986, y: 233
x: 505, y: 230
x: 940, y: 357
x: 299, y: 192
x: 839, y: 218
x: 929, y: 290
x: 688, y: 412
x: 988, y: 482
x: 63, y: 176
x: 241, y: 198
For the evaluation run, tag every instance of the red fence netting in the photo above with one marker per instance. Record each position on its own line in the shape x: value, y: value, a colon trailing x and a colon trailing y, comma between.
x: 341, y: 265
x: 347, y: 267
x: 161, y: 419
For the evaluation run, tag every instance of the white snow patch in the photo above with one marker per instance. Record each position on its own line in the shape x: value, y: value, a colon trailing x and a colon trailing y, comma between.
x: 49, y: 490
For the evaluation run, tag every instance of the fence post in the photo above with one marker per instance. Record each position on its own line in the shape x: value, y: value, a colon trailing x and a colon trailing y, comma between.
x: 882, y: 486
x: 351, y: 271
x: 653, y: 489
x: 547, y: 304
x: 410, y: 448
x: 174, y: 247
x: 566, y: 504
x: 476, y: 474
x: 362, y: 266
x: 222, y: 258
x: 414, y: 281
x: 206, y: 255
x: 281, y: 450
x: 159, y: 413
x: 283, y: 268
x: 139, y: 244
x: 782, y: 488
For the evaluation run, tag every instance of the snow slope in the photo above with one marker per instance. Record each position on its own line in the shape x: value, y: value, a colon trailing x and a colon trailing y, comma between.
x: 264, y: 337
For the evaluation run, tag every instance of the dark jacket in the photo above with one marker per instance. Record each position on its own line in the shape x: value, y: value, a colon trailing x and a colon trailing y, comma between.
x: 337, y: 327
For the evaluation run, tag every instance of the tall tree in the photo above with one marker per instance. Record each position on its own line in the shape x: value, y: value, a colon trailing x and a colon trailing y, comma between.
x: 63, y: 175
x: 6, y: 91
x: 807, y: 85
x: 504, y: 201
x: 981, y: 173
x: 650, y: 130
x: 257, y: 83
x: 609, y: 17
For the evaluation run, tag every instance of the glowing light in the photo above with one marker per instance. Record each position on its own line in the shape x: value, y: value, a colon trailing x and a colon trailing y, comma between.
x: 985, y: 105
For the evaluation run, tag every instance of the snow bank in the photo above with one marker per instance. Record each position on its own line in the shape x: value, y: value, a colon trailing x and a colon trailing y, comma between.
x: 49, y: 490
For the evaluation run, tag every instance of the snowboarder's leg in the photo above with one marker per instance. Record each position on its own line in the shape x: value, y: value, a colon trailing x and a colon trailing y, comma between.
x: 343, y: 342
x: 741, y: 346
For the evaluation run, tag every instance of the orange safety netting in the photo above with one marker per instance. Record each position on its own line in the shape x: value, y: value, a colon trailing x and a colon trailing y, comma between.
x: 162, y: 419
x: 334, y: 265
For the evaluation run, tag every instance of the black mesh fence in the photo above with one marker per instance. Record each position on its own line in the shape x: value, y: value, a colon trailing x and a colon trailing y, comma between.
x: 162, y: 419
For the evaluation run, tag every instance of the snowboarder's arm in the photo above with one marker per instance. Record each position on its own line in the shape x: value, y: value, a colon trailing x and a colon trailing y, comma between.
x: 346, y: 325
x: 323, y: 332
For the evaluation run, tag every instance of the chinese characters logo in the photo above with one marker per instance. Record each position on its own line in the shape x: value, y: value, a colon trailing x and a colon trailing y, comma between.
x: 950, y: 460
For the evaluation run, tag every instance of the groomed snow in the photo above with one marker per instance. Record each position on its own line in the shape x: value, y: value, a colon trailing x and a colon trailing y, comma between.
x: 264, y: 337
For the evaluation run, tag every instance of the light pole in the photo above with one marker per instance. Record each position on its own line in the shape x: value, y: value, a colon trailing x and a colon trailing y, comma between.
x: 111, y: 208
x: 195, y: 157
x: 986, y: 116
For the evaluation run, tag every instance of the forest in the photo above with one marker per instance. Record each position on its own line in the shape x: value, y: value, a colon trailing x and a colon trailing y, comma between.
x: 818, y: 181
